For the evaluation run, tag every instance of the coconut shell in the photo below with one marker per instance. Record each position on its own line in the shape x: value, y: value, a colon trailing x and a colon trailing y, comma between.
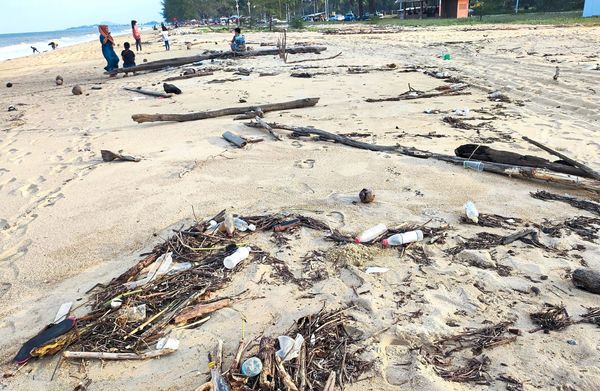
x: 366, y: 196
x: 59, y: 80
x: 77, y: 90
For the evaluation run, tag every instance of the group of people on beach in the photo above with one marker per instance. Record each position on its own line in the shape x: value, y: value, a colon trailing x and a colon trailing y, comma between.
x: 238, y: 44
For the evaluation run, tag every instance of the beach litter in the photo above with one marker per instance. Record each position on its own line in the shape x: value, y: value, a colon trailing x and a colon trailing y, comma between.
x: 109, y: 156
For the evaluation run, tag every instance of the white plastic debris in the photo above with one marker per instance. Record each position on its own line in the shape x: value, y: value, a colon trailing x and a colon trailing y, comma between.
x: 290, y: 348
x: 167, y: 343
x: 161, y: 266
x: 376, y: 270
x: 62, y: 312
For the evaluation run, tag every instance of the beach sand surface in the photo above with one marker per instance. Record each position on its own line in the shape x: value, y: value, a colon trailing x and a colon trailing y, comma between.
x: 69, y: 221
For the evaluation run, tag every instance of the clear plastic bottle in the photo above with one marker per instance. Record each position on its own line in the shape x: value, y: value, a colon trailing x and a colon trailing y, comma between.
x: 242, y: 225
x: 371, y: 233
x: 217, y: 380
x: 252, y: 367
x: 474, y: 165
x: 471, y: 212
x: 238, y: 256
x: 403, y: 238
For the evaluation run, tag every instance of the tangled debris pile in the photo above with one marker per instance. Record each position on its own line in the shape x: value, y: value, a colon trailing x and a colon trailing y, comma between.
x: 440, y: 353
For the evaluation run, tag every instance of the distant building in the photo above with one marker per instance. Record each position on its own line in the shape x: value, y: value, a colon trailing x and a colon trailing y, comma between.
x: 591, y: 8
x: 434, y: 8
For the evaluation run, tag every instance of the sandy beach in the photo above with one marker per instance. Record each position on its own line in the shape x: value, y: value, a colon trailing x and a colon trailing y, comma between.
x: 69, y: 221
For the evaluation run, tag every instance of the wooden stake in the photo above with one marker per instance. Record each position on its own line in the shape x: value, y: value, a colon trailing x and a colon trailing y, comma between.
x: 117, y: 356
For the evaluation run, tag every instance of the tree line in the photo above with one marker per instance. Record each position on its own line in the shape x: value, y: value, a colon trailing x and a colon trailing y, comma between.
x: 282, y: 9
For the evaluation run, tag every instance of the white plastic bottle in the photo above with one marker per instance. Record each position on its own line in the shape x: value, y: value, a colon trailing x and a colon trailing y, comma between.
x: 403, y: 238
x: 371, y: 233
x: 471, y: 212
x: 238, y: 256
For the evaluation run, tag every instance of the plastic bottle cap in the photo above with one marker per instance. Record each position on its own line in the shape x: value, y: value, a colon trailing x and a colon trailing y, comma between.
x: 385, y: 243
x: 356, y: 240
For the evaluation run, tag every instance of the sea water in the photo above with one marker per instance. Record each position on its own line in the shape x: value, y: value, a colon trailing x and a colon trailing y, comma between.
x: 19, y: 44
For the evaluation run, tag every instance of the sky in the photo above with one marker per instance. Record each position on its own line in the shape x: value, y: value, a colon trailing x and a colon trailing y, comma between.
x: 18, y: 16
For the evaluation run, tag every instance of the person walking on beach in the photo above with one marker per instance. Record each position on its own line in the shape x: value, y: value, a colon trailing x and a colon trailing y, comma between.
x: 34, y: 49
x: 165, y: 36
x: 136, y: 35
x: 108, y: 50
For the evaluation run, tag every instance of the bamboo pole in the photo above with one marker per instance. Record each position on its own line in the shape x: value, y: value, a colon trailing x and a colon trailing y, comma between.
x: 117, y: 356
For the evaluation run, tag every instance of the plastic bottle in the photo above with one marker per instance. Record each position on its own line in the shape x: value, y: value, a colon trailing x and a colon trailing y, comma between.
x: 217, y: 380
x: 242, y: 225
x: 238, y: 256
x: 371, y: 233
x: 471, y: 212
x: 252, y: 367
x: 403, y: 238
x: 228, y: 226
x: 474, y: 165
x: 212, y: 227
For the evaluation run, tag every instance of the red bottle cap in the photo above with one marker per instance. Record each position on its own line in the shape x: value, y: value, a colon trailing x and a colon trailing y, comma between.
x: 356, y: 240
x: 385, y: 243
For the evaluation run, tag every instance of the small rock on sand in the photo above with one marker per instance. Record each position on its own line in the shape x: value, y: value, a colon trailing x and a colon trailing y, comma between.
x: 77, y: 90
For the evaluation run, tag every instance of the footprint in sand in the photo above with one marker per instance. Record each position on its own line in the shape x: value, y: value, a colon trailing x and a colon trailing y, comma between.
x: 308, y: 163
x: 29, y: 190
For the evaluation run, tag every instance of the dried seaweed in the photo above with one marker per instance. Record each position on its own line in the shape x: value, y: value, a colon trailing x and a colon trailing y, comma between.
x: 586, y: 227
x: 590, y: 206
x: 592, y: 316
x: 473, y: 371
x: 440, y: 353
x: 551, y: 317
x: 487, y: 240
x: 512, y: 384
x: 314, y: 269
x: 494, y: 221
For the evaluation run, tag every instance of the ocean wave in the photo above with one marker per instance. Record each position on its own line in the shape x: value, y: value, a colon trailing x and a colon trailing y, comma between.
x: 23, y: 48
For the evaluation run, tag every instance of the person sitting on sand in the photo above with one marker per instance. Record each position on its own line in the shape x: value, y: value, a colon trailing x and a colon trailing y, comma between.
x: 34, y: 49
x: 136, y: 35
x: 165, y: 36
x: 128, y: 57
x: 238, y: 43
x: 107, y: 49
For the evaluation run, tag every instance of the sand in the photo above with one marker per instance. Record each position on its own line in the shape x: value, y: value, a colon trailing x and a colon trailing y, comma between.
x: 69, y: 221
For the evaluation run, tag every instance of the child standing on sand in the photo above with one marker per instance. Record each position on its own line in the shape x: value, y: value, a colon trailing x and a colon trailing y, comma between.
x: 165, y: 36
x: 136, y: 35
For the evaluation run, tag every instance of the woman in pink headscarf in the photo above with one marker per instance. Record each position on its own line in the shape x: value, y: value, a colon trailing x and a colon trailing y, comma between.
x: 108, y: 50
x: 136, y: 35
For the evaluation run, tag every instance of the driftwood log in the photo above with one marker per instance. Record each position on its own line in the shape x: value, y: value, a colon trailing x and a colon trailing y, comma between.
x: 497, y: 168
x: 192, y: 75
x: 175, y: 62
x: 451, y: 90
x: 201, y: 309
x: 156, y: 94
x: 487, y: 154
x: 592, y: 173
x: 587, y: 279
x: 148, y: 92
x: 294, y: 104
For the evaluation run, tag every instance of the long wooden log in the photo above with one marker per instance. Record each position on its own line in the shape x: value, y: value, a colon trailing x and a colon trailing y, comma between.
x: 198, y: 310
x: 148, y: 92
x: 175, y: 62
x: 583, y: 167
x: 294, y: 104
x: 497, y: 168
